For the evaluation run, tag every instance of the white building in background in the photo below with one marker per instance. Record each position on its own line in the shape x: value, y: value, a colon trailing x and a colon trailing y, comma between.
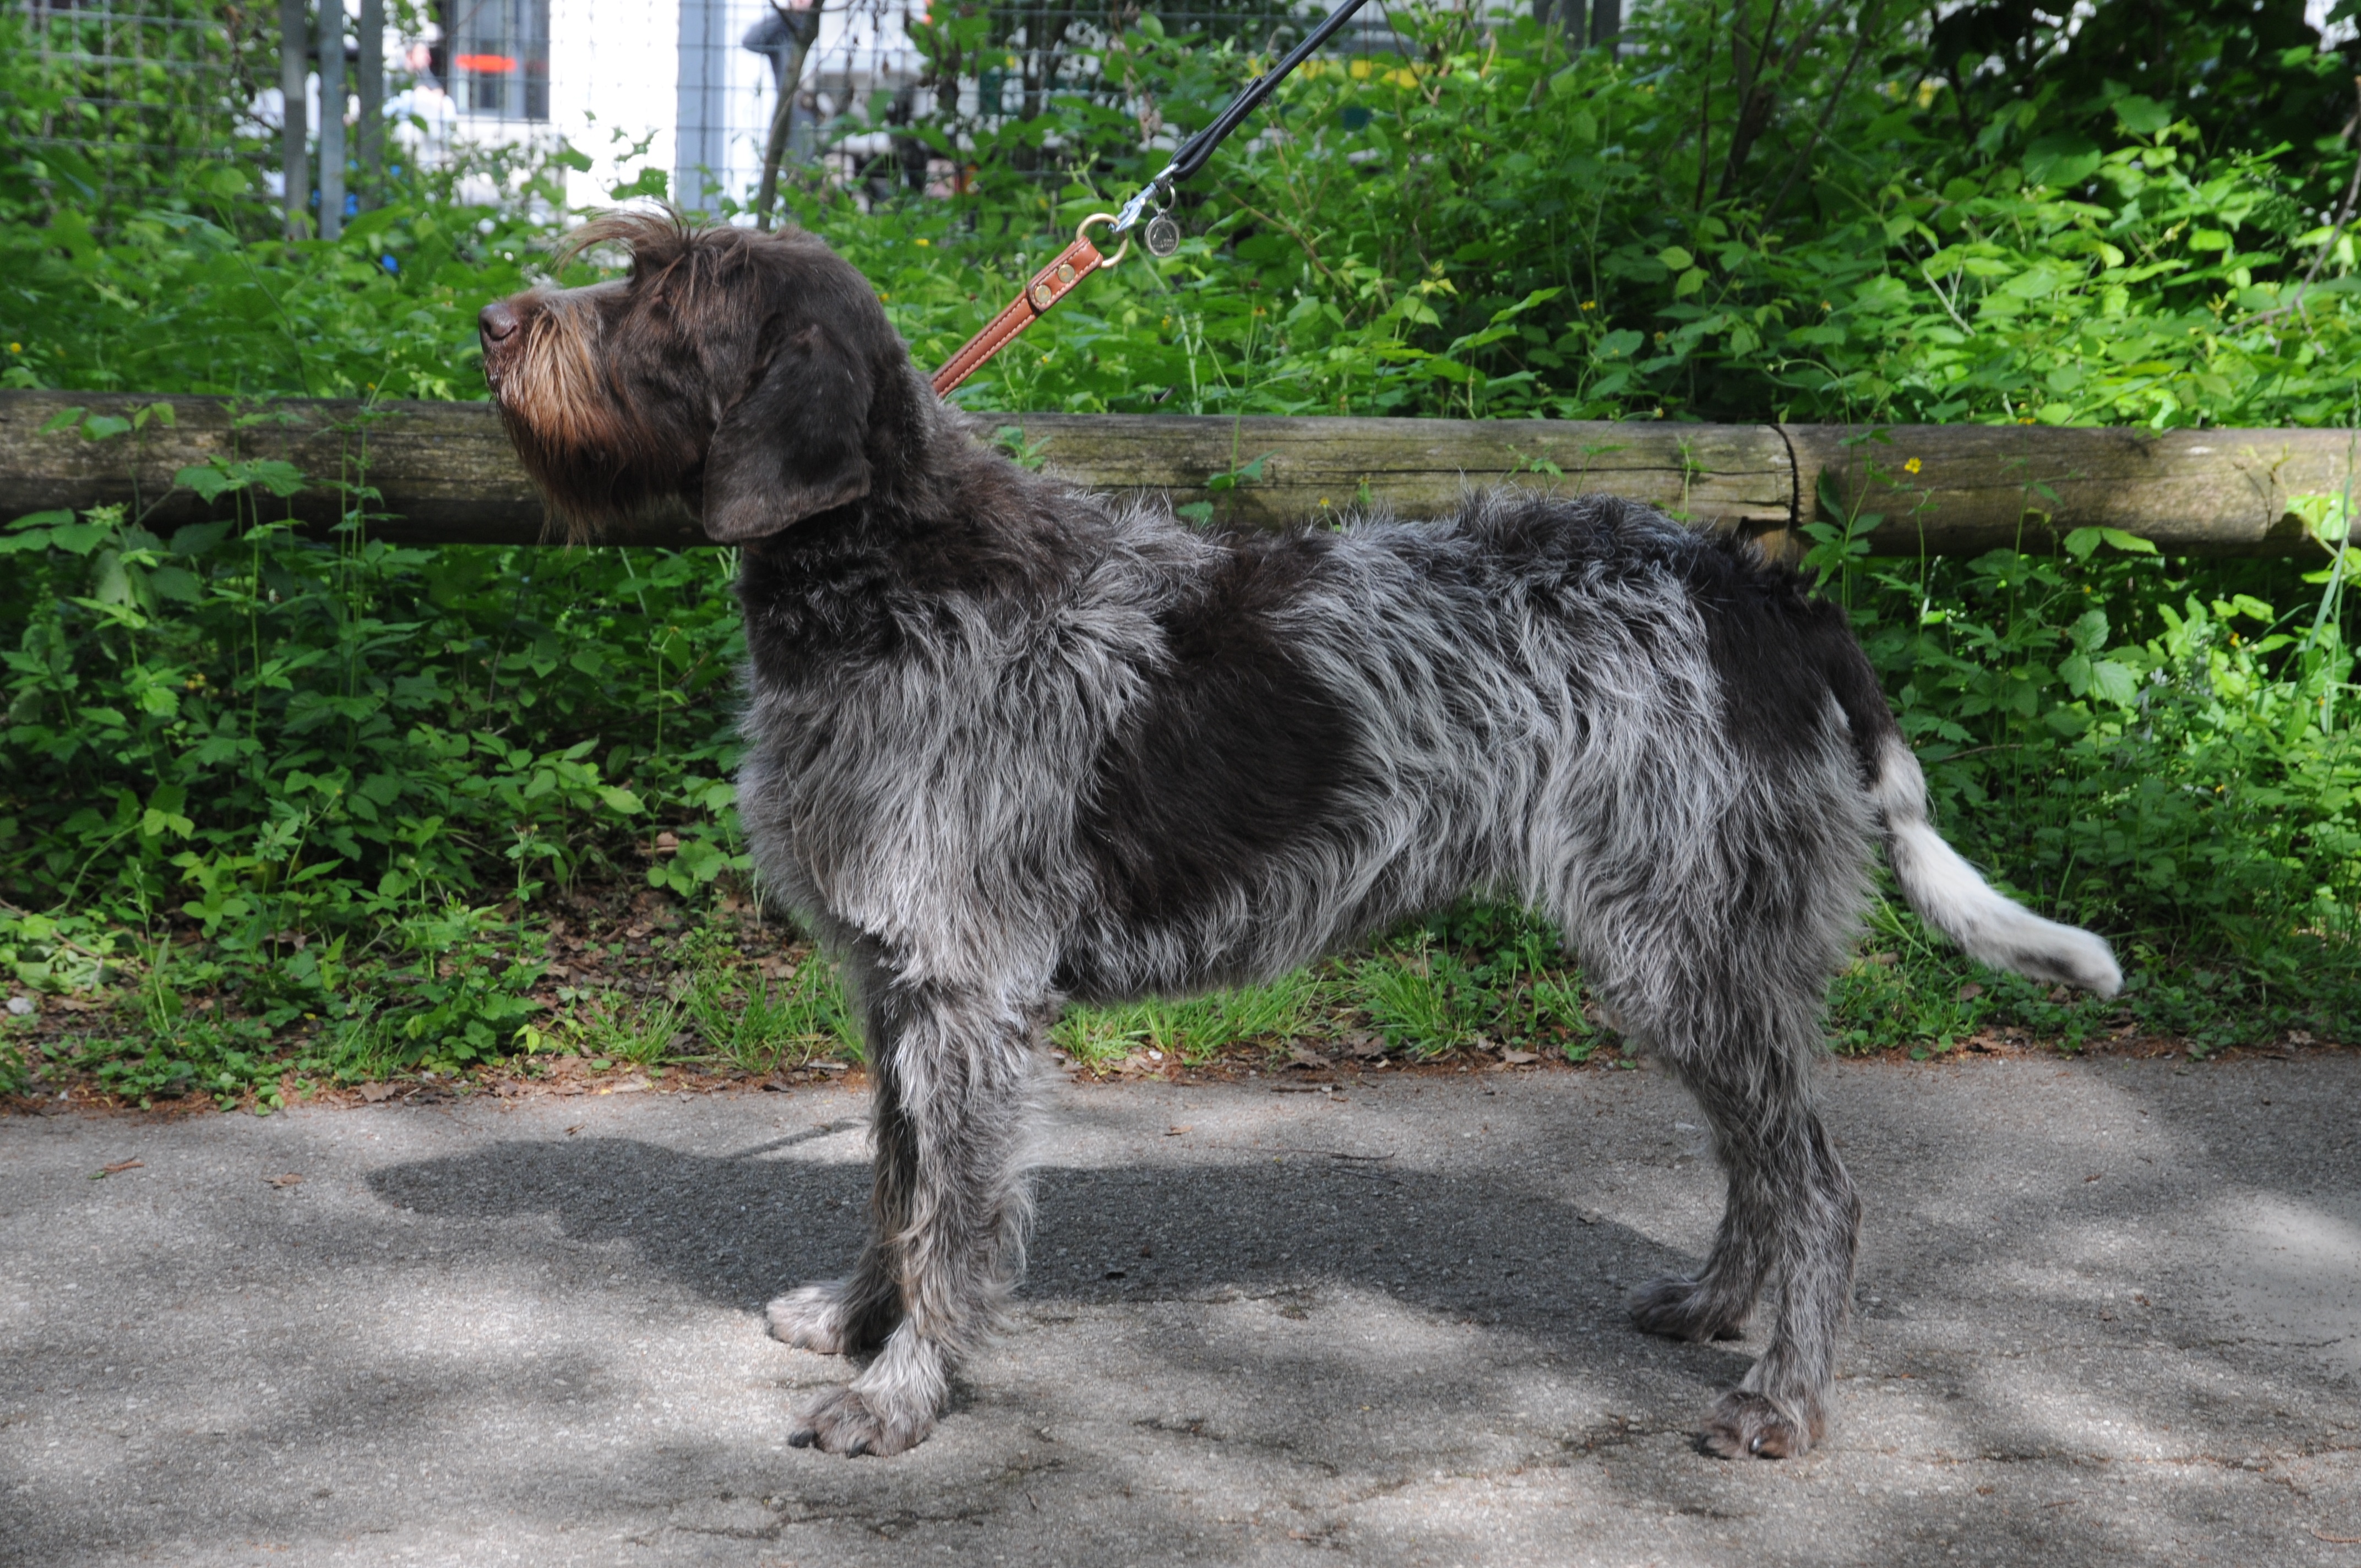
x: 636, y: 84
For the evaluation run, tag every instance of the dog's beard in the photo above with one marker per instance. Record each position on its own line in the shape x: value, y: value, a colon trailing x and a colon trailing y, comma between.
x: 593, y: 464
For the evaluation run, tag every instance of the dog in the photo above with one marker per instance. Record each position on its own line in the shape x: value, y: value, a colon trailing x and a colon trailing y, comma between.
x: 1009, y: 745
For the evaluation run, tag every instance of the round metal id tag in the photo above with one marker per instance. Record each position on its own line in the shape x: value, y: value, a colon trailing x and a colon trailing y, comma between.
x: 1162, y: 237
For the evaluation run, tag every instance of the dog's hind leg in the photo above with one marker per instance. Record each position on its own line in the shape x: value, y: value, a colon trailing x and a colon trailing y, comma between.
x: 950, y: 1070
x: 1714, y: 1303
x: 1793, y: 1211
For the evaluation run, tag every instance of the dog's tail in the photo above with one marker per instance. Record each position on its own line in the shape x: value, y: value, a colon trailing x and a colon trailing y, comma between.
x: 1943, y: 888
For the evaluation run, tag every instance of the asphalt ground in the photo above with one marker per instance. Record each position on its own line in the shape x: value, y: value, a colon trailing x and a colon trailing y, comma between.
x: 2109, y: 1312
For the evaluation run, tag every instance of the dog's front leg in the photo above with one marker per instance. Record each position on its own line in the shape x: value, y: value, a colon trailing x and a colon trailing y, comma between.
x: 950, y: 1068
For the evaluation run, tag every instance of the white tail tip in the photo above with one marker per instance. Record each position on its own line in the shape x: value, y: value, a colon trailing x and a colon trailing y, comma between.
x: 1947, y: 891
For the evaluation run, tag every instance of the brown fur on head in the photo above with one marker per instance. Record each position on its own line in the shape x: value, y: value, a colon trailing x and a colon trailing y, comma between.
x: 753, y: 376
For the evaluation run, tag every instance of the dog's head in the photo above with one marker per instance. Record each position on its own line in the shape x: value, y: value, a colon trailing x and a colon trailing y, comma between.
x: 743, y: 372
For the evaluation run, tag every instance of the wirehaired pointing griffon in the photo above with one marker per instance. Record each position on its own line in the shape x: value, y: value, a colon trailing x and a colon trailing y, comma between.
x: 1010, y: 745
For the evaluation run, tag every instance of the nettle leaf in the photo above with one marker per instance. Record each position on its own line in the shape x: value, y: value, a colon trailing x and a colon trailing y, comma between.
x: 209, y: 480
x: 212, y: 480
x: 2038, y: 283
x: 176, y: 583
x: 2062, y: 160
x: 36, y: 531
x: 197, y: 538
x: 2117, y: 683
x: 280, y: 479
x: 2142, y: 115
x: 2081, y: 542
x: 2327, y: 518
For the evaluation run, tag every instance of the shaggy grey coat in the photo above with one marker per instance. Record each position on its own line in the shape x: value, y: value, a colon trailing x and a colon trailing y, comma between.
x: 1010, y: 746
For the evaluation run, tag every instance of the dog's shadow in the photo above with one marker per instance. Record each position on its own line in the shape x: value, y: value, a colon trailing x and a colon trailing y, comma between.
x: 1304, y: 1229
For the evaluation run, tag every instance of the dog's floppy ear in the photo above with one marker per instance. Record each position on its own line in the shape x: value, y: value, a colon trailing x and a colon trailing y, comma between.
x: 792, y: 444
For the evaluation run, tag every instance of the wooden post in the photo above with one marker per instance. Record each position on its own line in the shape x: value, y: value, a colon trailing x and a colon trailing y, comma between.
x: 295, y: 87
x: 369, y: 83
x: 332, y: 118
x: 448, y: 474
x: 1963, y: 489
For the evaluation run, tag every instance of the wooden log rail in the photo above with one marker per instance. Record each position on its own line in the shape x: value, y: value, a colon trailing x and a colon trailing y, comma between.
x: 446, y: 473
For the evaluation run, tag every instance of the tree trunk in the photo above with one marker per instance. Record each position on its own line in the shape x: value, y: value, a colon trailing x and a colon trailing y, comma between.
x: 774, y: 150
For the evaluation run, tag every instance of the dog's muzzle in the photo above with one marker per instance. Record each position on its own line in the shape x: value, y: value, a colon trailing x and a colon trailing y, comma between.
x: 497, y: 328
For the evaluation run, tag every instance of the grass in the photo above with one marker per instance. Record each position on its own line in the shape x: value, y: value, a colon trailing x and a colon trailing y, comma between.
x: 718, y: 993
x: 1195, y: 1031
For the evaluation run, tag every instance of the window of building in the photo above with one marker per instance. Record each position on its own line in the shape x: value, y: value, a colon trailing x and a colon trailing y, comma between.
x: 496, y: 57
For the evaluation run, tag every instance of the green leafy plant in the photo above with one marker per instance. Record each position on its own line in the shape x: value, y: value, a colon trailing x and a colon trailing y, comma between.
x: 284, y: 806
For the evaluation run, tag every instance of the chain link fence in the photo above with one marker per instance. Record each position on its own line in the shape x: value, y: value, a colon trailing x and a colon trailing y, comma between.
x: 115, y: 95
x: 862, y: 86
x: 127, y: 91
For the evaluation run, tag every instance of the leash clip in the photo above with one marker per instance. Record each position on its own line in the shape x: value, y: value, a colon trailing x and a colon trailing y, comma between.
x: 1162, y: 236
x: 1156, y: 193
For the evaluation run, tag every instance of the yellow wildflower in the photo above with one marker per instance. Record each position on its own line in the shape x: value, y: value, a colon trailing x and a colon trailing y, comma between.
x: 1911, y: 466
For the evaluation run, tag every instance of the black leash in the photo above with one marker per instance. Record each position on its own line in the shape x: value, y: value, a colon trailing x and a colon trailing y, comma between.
x: 1163, y: 235
x: 1080, y: 260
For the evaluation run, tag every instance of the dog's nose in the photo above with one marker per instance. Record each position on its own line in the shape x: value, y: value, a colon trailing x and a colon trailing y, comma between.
x: 497, y: 322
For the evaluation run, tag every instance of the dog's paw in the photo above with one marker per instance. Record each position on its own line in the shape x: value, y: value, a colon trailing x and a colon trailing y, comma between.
x: 845, y: 1420
x: 1684, y: 1309
x: 817, y: 1317
x: 1743, y: 1424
